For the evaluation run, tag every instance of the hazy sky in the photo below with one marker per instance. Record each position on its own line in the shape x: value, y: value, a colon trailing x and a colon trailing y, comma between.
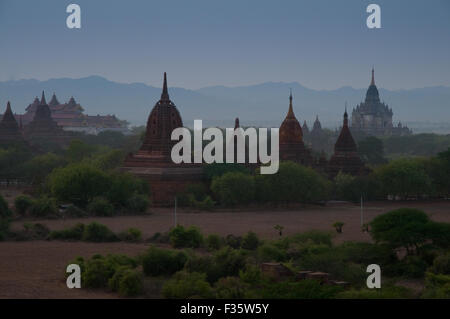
x: 320, y: 44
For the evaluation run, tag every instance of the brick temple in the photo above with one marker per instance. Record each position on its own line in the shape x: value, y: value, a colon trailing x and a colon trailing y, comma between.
x: 10, y: 132
x: 153, y: 161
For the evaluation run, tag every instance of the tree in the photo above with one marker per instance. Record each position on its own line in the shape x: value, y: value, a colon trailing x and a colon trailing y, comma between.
x: 406, y: 228
x: 234, y: 188
x: 78, y: 183
x: 371, y: 150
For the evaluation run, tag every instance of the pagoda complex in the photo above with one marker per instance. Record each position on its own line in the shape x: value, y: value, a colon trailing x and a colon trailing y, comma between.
x: 10, y: 132
x: 292, y: 147
x: 153, y: 161
x: 345, y: 158
x: 44, y: 129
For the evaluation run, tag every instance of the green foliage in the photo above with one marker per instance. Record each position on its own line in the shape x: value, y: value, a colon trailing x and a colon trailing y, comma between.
x: 133, y: 235
x: 269, y: 252
x: 74, y: 211
x: 78, y: 183
x: 39, y: 167
x: 214, y: 242
x: 138, y: 203
x: 371, y: 150
x: 231, y: 288
x: 292, y: 183
x: 219, y: 169
x: 425, y: 144
x: 338, y: 226
x: 436, y: 286
x: 4, y: 228
x: 95, y: 232
x: 385, y: 292
x: 33, y: 232
x: 5, y: 212
x: 156, y: 261
x: 122, y: 187
x: 315, y: 236
x: 22, y: 203
x: 185, y: 237
x: 44, y: 207
x: 404, y: 177
x: 73, y: 233
x: 233, y: 241
x: 250, y: 241
x: 441, y: 265
x: 404, y: 227
x: 305, y: 289
x: 126, y: 281
x: 234, y: 188
x: 185, y: 285
x: 100, y: 206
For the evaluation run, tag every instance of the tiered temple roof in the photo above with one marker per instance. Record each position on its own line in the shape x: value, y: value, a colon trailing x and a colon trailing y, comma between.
x: 9, y: 128
x: 153, y: 161
x: 291, y: 144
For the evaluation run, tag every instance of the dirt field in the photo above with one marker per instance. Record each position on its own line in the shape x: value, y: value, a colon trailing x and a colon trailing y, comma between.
x: 35, y: 269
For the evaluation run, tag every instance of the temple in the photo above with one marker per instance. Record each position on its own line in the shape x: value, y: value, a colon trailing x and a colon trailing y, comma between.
x: 10, y: 132
x: 70, y: 116
x: 345, y: 158
x: 43, y: 129
x: 153, y: 161
x: 372, y: 117
x: 292, y: 147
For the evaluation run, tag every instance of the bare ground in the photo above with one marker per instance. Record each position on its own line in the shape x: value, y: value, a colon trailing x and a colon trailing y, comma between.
x: 35, y: 269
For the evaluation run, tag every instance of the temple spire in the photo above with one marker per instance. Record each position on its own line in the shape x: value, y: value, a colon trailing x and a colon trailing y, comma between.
x: 345, y: 115
x: 8, y: 107
x: 236, y: 123
x: 291, y: 110
x: 165, y: 92
x: 373, y: 77
x: 43, y: 102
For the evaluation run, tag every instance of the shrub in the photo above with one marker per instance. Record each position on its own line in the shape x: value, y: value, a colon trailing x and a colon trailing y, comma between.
x: 185, y: 285
x: 213, y: 242
x: 4, y: 228
x: 441, y: 265
x: 126, y: 281
x: 338, y: 226
x: 436, y: 286
x: 231, y: 288
x: 37, y: 231
x: 138, y: 203
x: 409, y: 267
x: 96, y: 232
x: 44, y: 207
x: 158, y: 261
x: 206, y: 204
x: 250, y: 241
x: 5, y: 212
x: 22, y: 203
x: 131, y: 235
x: 233, y: 241
x: 304, y: 289
x: 385, y: 292
x: 234, y: 188
x: 74, y: 211
x: 181, y: 237
x: 366, y: 253
x: 269, y: 252
x: 73, y: 233
x: 100, y: 206
x: 314, y: 236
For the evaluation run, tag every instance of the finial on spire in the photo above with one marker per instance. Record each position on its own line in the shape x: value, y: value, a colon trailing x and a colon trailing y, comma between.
x: 236, y: 123
x: 165, y: 92
x: 291, y: 109
x: 8, y: 107
x: 373, y: 76
x: 345, y: 115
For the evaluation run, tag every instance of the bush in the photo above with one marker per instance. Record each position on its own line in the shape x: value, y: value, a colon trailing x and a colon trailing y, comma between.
x: 126, y: 281
x: 269, y: 252
x: 74, y: 211
x: 250, y: 241
x: 233, y: 241
x: 95, y: 232
x: 385, y: 292
x: 409, y: 267
x: 5, y: 212
x: 158, y: 261
x: 441, y: 265
x: 100, y: 207
x: 131, y: 235
x: 234, y: 188
x: 305, y: 289
x: 436, y: 286
x: 36, y: 231
x: 4, y: 228
x: 181, y: 237
x: 185, y: 285
x: 338, y: 226
x: 22, y: 203
x: 214, y: 242
x: 44, y: 207
x: 138, y: 203
x: 231, y: 288
x: 73, y: 233
x: 314, y: 236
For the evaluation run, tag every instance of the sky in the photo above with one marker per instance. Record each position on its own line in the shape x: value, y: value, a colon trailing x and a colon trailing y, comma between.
x: 320, y: 44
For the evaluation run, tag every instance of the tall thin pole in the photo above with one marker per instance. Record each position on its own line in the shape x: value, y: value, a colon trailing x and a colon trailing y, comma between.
x: 175, y: 212
x: 362, y: 212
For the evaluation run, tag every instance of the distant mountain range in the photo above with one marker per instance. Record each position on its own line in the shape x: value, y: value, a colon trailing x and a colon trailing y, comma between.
x: 261, y: 104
